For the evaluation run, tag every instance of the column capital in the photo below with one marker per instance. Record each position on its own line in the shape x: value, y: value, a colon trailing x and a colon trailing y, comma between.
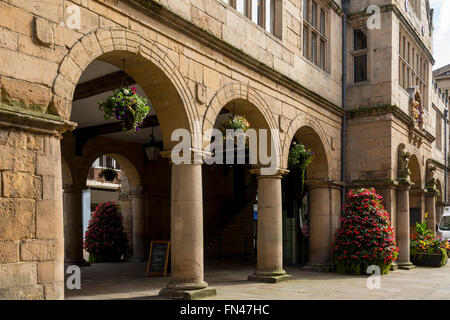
x: 404, y: 184
x: 431, y: 192
x: 324, y: 183
x: 197, y: 156
x: 276, y: 173
x: 32, y: 121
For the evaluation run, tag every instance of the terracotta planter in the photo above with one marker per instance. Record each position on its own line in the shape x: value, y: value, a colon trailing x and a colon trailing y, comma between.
x: 428, y: 260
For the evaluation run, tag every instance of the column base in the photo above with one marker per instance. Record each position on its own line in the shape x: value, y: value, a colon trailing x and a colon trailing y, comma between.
x: 270, y: 277
x: 406, y: 265
x: 319, y: 267
x: 394, y: 266
x: 187, y: 294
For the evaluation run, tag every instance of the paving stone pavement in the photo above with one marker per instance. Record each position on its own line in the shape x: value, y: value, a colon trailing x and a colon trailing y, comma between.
x: 127, y: 280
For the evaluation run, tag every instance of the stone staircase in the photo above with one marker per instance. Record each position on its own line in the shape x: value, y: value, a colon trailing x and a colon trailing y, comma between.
x: 234, y: 234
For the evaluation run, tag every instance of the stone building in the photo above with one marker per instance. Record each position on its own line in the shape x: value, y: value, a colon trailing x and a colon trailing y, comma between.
x: 277, y: 62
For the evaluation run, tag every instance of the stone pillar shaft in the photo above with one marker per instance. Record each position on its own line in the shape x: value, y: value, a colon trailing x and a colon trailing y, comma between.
x: 269, y: 266
x: 139, y: 227
x: 73, y: 226
x: 430, y: 204
x: 320, y: 225
x: 403, y: 222
x: 270, y: 228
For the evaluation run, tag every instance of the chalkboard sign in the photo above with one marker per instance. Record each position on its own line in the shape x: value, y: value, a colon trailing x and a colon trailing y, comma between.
x: 158, y: 258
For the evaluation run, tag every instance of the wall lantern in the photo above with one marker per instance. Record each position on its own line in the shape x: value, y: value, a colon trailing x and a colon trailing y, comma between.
x: 152, y: 149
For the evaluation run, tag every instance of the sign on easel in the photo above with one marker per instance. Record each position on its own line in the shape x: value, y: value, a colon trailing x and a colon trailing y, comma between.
x: 158, y: 258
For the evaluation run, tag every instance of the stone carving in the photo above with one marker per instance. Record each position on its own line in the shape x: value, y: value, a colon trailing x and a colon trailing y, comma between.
x: 403, y: 162
x: 415, y: 107
x: 431, y: 180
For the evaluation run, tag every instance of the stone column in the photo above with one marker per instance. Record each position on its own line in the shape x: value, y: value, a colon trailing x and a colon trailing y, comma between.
x: 127, y: 214
x: 139, y: 226
x: 269, y: 266
x: 403, y: 225
x: 73, y: 225
x: 430, y: 205
x: 186, y: 225
x: 320, y: 226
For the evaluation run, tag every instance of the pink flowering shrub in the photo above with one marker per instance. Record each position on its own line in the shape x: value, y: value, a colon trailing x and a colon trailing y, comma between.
x: 105, y: 239
x: 366, y: 236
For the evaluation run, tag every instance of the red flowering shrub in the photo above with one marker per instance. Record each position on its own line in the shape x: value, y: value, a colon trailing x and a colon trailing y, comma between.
x: 105, y: 239
x: 366, y: 236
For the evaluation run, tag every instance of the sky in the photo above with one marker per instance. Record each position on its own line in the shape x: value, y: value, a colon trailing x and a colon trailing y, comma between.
x: 441, y: 37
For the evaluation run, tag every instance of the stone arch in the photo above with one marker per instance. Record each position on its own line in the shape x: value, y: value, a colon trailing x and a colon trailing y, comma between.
x: 416, y: 171
x: 306, y: 121
x: 235, y: 91
x: 122, y: 156
x: 147, y: 62
x: 244, y: 94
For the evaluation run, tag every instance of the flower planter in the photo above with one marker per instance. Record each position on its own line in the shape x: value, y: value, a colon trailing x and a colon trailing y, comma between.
x: 428, y: 260
x: 359, y: 268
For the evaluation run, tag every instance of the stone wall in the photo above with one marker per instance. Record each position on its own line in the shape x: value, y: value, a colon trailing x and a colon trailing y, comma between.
x: 31, y: 243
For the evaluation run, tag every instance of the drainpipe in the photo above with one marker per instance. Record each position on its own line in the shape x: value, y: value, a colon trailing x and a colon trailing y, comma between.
x: 445, y: 156
x: 345, y: 7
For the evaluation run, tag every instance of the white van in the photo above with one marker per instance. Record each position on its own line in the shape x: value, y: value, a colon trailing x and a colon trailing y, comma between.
x: 444, y: 224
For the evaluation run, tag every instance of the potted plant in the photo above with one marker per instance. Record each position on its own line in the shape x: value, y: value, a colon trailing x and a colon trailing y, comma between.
x: 235, y: 123
x: 426, y: 249
x: 108, y: 174
x: 105, y: 239
x: 126, y: 105
x: 366, y: 236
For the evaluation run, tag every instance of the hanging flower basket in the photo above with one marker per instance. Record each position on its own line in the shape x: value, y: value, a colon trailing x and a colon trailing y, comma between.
x: 126, y: 105
x: 236, y: 122
x: 108, y: 174
x: 299, y: 159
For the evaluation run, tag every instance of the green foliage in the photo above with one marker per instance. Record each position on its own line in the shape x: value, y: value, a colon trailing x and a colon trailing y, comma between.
x: 423, y: 242
x: 421, y: 229
x: 235, y: 123
x: 108, y: 174
x: 366, y: 236
x: 127, y: 106
x: 299, y: 159
x: 299, y: 156
x: 105, y: 239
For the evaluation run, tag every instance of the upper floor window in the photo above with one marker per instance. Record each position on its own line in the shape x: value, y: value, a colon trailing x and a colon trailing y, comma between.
x: 413, y: 66
x: 415, y: 4
x: 360, y: 51
x: 314, y: 32
x: 106, y: 162
x: 265, y: 13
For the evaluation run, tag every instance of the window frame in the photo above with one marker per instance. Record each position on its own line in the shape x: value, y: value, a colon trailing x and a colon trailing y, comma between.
x: 411, y: 72
x: 316, y: 30
x: 276, y: 27
x: 360, y: 52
